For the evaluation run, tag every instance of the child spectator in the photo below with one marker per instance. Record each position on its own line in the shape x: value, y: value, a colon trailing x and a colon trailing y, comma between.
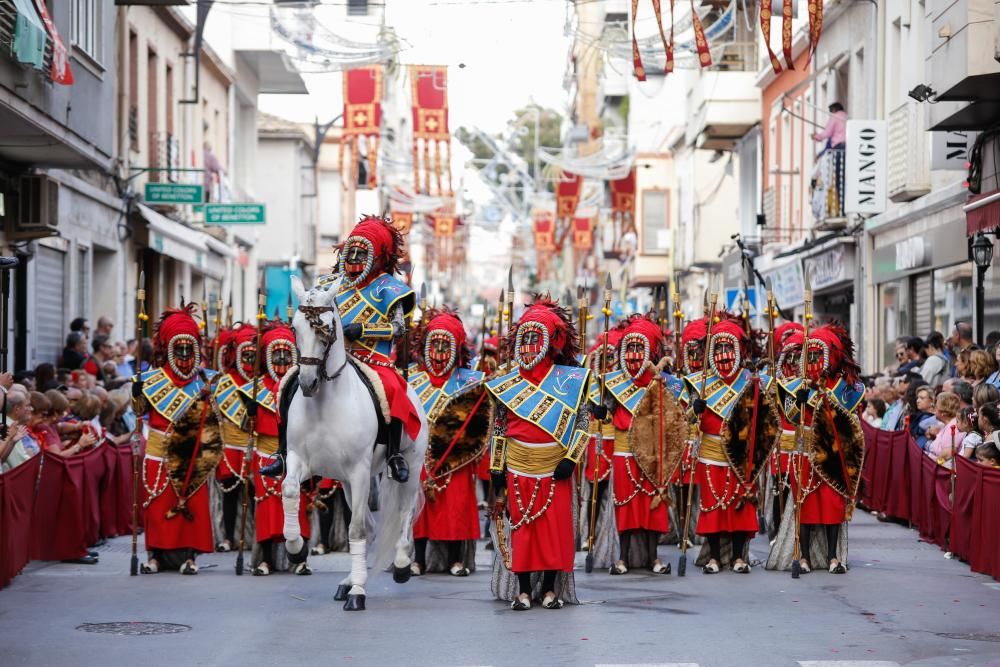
x: 924, y: 418
x: 988, y: 454
x: 973, y: 438
x: 875, y: 412
x: 948, y: 441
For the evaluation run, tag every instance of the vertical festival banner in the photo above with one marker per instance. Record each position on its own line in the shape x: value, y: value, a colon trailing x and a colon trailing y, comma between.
x: 543, y: 226
x: 429, y: 87
x: 623, y: 202
x: 362, y: 118
x: 444, y: 238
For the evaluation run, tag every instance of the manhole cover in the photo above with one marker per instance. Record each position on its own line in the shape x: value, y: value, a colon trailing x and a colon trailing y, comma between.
x: 971, y: 636
x: 134, y: 628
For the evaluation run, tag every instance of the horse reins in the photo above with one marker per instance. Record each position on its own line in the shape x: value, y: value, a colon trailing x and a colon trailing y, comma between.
x: 328, y: 335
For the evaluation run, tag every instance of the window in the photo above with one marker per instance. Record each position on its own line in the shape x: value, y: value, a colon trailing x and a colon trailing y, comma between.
x: 85, y: 27
x: 895, y: 316
x: 655, y: 222
x: 357, y: 7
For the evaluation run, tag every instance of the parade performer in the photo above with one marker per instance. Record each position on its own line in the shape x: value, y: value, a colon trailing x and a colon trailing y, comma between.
x: 539, y: 433
x: 454, y: 400
x: 235, y: 354
x: 738, y: 424
x: 692, y: 360
x: 278, y: 343
x: 788, y: 338
x: 183, y: 447
x: 374, y: 308
x: 640, y: 498
x: 824, y: 480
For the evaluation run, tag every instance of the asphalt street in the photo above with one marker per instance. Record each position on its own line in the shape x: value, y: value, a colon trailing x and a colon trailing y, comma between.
x: 902, y: 603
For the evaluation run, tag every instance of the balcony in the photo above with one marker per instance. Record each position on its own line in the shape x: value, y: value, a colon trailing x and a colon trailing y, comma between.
x: 827, y: 191
x: 962, y: 65
x: 725, y: 105
x: 909, y: 174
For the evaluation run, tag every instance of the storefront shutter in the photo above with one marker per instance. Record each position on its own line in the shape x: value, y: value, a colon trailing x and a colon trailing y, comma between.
x: 923, y: 304
x: 50, y: 300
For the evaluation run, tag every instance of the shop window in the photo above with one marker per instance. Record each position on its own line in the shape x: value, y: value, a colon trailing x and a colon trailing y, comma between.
x: 991, y: 308
x: 655, y: 222
x: 953, y: 297
x: 895, y: 317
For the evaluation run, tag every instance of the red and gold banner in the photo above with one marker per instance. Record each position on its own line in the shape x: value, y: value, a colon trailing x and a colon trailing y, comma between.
x: 765, y: 29
x: 444, y: 225
x: 786, y: 33
x: 700, y: 42
x: 815, y: 25
x: 568, y: 195
x: 543, y: 226
x: 668, y: 46
x: 623, y: 198
x: 583, y: 234
x: 402, y: 220
x: 429, y: 88
x: 637, y: 68
x: 362, y: 117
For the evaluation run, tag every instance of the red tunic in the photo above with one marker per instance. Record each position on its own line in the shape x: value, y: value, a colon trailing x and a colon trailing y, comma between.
x: 452, y: 514
x: 177, y: 532
x: 269, y: 514
x: 603, y: 461
x: 634, y: 492
x: 721, y: 492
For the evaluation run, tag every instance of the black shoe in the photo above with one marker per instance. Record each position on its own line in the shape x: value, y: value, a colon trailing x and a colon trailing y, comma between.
x: 275, y: 468
x: 82, y: 560
x: 94, y: 554
x: 398, y: 470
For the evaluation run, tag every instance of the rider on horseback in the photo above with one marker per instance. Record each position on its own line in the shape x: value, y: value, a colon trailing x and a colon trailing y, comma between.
x: 374, y: 307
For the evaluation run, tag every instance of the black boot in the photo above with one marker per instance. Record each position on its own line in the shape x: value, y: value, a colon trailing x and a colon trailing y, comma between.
x: 277, y: 467
x: 398, y: 470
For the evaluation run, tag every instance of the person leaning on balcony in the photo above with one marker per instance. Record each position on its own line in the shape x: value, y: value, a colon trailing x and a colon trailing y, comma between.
x: 835, y: 132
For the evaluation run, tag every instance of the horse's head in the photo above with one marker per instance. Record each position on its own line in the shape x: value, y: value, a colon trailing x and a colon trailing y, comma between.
x: 318, y: 333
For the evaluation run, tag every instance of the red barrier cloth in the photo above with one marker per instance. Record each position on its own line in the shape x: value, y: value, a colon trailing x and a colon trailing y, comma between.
x: 960, y: 541
x: 59, y: 527
x: 116, y: 491
x: 94, y: 472
x: 984, y: 552
x: 896, y: 494
x: 17, y: 499
x: 865, y: 494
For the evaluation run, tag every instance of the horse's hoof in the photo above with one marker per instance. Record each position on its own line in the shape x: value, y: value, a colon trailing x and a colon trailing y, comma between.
x: 341, y: 593
x: 401, y: 574
x: 301, y: 556
x: 355, y: 603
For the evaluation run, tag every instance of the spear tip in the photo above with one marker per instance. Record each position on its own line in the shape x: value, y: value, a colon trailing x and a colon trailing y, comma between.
x: 607, y: 283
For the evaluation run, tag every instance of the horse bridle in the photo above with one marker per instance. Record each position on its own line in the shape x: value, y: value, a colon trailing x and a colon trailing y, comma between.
x: 326, y: 334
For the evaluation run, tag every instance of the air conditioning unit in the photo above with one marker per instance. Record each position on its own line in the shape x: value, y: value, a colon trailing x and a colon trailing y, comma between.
x: 37, y: 208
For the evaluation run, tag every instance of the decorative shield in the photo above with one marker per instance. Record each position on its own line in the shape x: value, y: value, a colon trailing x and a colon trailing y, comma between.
x: 465, y: 419
x: 658, y: 434
x: 752, y: 432
x: 194, y: 448
x: 836, y: 447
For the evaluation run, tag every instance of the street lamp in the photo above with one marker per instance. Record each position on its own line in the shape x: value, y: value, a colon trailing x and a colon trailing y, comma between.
x: 982, y: 255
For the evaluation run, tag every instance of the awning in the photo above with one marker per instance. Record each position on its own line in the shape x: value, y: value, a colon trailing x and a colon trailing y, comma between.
x: 275, y: 71
x: 982, y: 213
x: 173, y: 239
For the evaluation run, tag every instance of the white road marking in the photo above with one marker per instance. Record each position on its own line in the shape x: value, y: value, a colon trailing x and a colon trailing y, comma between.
x: 848, y: 663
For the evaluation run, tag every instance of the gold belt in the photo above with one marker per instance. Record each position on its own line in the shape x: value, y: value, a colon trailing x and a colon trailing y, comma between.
x: 621, y: 442
x: 267, y: 444
x: 711, y: 449
x: 608, y: 430
x: 233, y: 435
x: 788, y: 443
x: 156, y: 444
x: 533, y: 459
x: 693, y: 432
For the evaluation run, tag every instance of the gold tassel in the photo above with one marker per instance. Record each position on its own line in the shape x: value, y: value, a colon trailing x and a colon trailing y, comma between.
x: 447, y: 146
x: 354, y: 162
x: 437, y: 166
x: 427, y: 167
x: 373, y: 162
x: 416, y: 167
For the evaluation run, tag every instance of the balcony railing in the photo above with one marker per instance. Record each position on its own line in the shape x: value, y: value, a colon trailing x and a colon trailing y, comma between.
x: 164, y: 153
x: 8, y: 21
x: 827, y: 190
x: 909, y: 172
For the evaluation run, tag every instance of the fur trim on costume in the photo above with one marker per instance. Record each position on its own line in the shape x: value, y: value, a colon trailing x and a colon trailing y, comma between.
x: 376, y: 383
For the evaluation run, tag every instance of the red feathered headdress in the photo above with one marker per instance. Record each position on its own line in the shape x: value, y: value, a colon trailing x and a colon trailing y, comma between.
x: 386, y: 240
x: 173, y: 322
x: 840, y: 348
x: 557, y: 322
x: 783, y: 331
x: 643, y: 325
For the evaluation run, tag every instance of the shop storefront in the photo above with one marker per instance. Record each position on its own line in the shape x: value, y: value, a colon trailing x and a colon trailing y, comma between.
x: 831, y: 272
x: 923, y: 280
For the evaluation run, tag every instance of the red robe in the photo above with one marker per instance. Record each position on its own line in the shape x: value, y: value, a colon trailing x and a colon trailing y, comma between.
x: 269, y: 514
x: 721, y: 492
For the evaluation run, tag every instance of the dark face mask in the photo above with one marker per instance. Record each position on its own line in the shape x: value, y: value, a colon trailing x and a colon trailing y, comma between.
x: 440, y: 353
x: 635, y: 357
x: 184, y: 360
x: 282, y: 358
x: 724, y: 355
x: 248, y: 360
x: 530, y: 349
x: 355, y: 260
x: 695, y: 356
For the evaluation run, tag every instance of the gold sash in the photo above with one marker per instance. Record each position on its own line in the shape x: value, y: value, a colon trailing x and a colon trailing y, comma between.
x: 533, y: 459
x: 233, y: 435
x: 156, y: 444
x: 267, y: 444
x: 787, y: 441
x: 711, y: 449
x: 621, y: 442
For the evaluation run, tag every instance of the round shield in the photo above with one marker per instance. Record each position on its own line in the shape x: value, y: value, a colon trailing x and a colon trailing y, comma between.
x: 458, y: 431
x: 658, y: 434
x: 194, y: 448
x: 836, y: 447
x: 751, y: 432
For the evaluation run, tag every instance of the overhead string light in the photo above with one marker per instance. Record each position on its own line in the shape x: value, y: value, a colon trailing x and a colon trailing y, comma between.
x: 319, y: 49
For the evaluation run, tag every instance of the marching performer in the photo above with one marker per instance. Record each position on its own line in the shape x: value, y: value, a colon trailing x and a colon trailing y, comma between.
x: 453, y: 400
x: 640, y: 499
x: 278, y: 343
x: 692, y: 360
x: 539, y: 433
x: 235, y: 354
x: 183, y: 447
x: 738, y: 427
x: 824, y: 480
x: 374, y: 308
x: 788, y: 338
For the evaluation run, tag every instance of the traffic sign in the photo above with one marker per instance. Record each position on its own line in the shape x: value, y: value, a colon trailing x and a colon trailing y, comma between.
x: 235, y: 214
x: 174, y: 193
x: 734, y: 300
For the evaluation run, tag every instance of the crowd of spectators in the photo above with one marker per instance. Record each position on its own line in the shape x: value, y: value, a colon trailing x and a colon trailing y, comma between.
x: 69, y: 409
x: 945, y: 392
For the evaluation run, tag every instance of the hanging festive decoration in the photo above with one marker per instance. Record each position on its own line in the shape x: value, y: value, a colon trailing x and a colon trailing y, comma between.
x: 765, y: 29
x: 701, y: 42
x: 60, y: 72
x: 786, y: 33
x: 567, y: 195
x: 429, y: 84
x: 623, y: 199
x: 402, y: 220
x: 583, y: 234
x: 444, y: 224
x: 362, y: 118
x: 815, y: 25
x: 543, y: 225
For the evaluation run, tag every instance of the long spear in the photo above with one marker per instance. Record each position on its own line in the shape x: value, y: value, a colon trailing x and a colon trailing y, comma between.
x: 682, y: 561
x: 500, y: 336
x: 678, y: 325
x: 799, y: 430
x: 606, y: 311
x: 140, y: 319
x: 252, y: 416
x: 510, y: 304
x: 583, y: 313
x: 218, y: 329
x: 773, y: 371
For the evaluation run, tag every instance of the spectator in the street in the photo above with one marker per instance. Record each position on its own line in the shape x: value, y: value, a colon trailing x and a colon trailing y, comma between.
x: 980, y: 366
x: 104, y: 352
x: 963, y: 390
x: 26, y: 379
x: 988, y: 454
x: 80, y: 325
x: 967, y: 424
x: 12, y: 449
x: 75, y: 353
x: 117, y: 430
x: 992, y: 338
x: 45, y: 377
x: 894, y: 411
x: 908, y: 386
x: 913, y: 351
x: 123, y: 363
x: 935, y: 369
x: 948, y: 441
x: 989, y: 421
x: 60, y: 445
x: 961, y: 339
x: 983, y: 394
x: 875, y: 412
x: 994, y: 379
x: 923, y: 418
x: 104, y: 326
x: 835, y: 132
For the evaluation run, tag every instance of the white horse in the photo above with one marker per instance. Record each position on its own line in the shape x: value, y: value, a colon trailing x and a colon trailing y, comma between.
x: 332, y: 427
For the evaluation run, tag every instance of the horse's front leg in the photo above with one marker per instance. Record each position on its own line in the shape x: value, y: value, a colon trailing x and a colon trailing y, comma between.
x: 296, y: 547
x: 357, y: 538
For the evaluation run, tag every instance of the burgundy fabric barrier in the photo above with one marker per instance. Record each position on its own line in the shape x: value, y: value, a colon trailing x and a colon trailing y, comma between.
x: 58, y: 529
x: 17, y: 498
x: 905, y: 483
x: 116, y: 491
